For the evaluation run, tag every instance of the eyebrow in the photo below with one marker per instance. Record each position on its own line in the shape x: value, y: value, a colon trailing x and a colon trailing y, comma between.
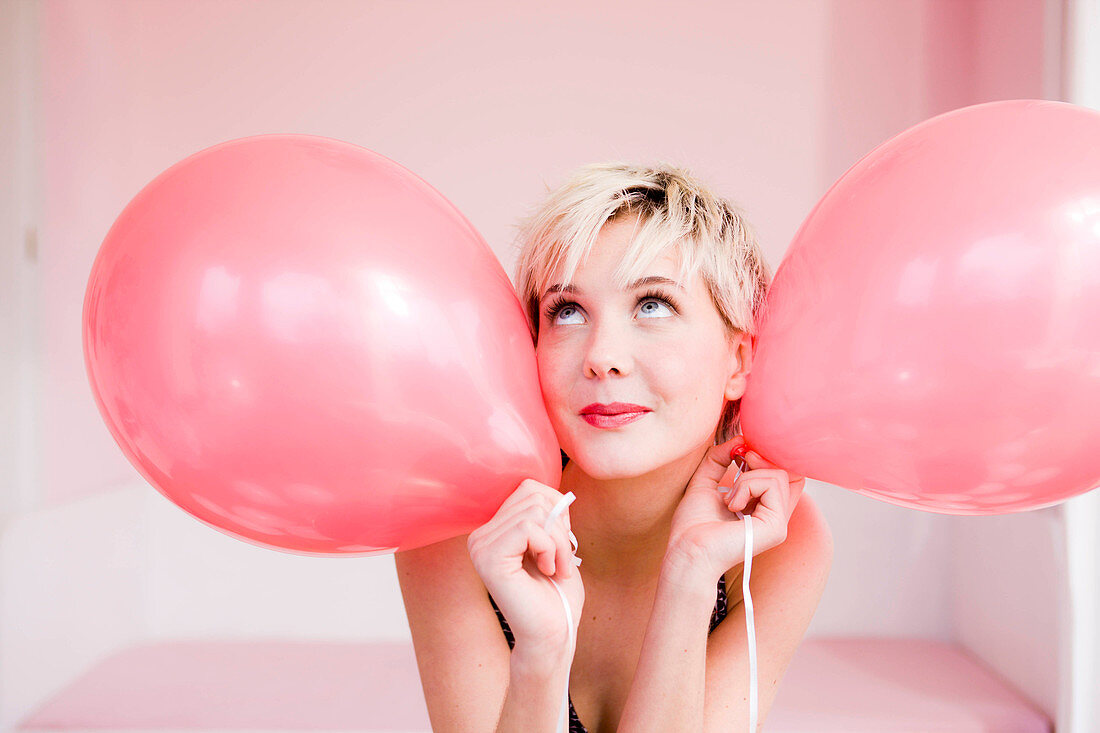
x: 642, y: 282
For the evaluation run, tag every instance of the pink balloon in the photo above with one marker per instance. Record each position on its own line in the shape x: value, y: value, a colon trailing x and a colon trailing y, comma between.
x: 932, y: 337
x: 306, y: 346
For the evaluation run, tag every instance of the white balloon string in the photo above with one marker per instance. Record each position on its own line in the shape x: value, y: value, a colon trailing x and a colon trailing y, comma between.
x: 563, y: 716
x: 750, y: 623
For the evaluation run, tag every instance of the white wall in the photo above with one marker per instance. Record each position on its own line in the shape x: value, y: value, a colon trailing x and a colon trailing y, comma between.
x: 1081, y: 701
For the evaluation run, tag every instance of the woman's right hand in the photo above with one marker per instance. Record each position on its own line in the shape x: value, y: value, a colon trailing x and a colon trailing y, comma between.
x: 516, y: 557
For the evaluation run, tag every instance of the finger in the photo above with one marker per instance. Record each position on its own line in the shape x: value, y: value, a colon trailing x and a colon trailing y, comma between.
x: 525, y: 489
x: 518, y: 505
x: 712, y: 468
x: 754, y: 460
x: 556, y: 520
x: 527, y: 492
x: 541, y: 546
x: 770, y: 524
x: 775, y: 499
x: 744, y: 501
x: 561, y: 506
x: 732, y: 473
x: 781, y: 494
x: 759, y: 483
x: 559, y: 517
x: 758, y: 473
x: 540, y: 502
x: 766, y: 489
x: 507, y: 515
x: 757, y: 461
x: 738, y: 498
x: 517, y: 540
x: 562, y: 554
x: 534, y: 511
x: 558, y: 503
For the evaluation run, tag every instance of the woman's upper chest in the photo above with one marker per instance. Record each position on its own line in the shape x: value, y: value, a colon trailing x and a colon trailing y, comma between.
x: 609, y: 642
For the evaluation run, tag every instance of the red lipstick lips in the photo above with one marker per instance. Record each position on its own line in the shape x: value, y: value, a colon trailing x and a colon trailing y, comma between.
x: 614, y: 415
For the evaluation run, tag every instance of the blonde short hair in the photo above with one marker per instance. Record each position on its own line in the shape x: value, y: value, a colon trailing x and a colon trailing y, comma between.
x: 675, y: 210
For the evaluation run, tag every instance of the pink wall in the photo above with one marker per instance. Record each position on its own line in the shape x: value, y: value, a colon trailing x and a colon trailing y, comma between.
x: 486, y: 106
x: 770, y: 101
x: 893, y: 64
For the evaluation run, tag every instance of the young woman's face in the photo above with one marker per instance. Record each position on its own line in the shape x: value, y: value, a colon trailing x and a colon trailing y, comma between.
x: 660, y: 346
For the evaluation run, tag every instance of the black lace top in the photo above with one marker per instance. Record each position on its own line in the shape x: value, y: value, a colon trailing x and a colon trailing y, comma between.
x: 575, y: 725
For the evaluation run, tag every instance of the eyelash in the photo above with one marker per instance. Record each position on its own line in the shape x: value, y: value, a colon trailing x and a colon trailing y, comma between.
x: 561, y: 301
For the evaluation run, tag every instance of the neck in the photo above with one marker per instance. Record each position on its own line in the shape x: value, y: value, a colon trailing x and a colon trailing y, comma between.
x: 623, y: 524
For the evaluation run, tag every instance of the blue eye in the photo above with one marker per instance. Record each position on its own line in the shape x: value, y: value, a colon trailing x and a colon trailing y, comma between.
x: 662, y: 301
x: 659, y: 297
x: 557, y: 307
x: 562, y: 304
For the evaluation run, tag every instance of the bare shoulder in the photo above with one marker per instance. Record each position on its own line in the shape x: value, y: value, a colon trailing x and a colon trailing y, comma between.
x: 808, y: 531
x: 799, y: 566
x: 809, y: 547
x: 460, y: 649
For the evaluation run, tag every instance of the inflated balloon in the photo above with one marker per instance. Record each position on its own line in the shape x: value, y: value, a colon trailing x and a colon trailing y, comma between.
x: 306, y: 346
x: 932, y: 337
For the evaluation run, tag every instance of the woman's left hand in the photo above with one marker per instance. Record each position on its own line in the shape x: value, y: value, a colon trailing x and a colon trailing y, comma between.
x: 707, y: 538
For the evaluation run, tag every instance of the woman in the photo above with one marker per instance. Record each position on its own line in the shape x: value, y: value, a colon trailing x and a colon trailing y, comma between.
x: 641, y: 287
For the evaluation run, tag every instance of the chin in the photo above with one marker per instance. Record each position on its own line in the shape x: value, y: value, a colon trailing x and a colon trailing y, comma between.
x: 606, y: 473
x: 607, y: 465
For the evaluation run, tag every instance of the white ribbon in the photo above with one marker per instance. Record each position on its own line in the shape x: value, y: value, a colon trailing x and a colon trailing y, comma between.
x: 750, y: 622
x: 569, y: 498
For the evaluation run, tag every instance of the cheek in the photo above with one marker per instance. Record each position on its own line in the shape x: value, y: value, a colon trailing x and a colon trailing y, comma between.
x: 691, y: 375
x: 682, y: 363
x: 551, y: 375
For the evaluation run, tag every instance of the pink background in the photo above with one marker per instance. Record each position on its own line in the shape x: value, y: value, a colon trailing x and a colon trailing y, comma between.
x: 487, y: 101
x: 490, y: 102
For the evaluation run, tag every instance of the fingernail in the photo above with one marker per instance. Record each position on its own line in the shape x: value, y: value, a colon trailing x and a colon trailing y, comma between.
x: 739, y: 450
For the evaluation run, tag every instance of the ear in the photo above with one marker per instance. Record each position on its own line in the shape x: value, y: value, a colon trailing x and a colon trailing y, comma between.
x: 741, y: 349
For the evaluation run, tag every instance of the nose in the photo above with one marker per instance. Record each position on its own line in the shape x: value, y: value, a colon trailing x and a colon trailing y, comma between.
x: 608, y: 351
